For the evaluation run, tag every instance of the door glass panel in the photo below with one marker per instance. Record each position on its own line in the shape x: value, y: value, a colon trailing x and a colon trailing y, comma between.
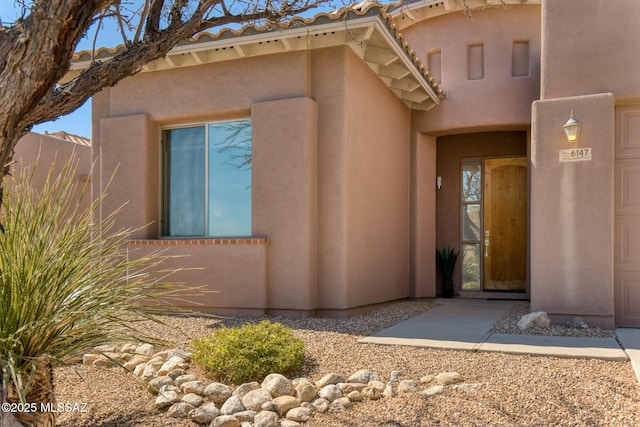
x: 471, y: 267
x: 471, y: 222
x: 471, y: 185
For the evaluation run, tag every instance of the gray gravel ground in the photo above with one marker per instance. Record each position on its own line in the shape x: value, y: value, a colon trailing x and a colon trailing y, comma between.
x: 518, y: 390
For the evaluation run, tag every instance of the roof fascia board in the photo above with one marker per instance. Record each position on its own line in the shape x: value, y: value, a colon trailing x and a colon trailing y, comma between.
x: 404, y: 58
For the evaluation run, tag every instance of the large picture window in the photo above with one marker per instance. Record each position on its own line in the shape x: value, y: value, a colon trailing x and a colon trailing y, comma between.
x: 207, y: 180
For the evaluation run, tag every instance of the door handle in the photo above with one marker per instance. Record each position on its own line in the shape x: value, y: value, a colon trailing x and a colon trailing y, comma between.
x: 487, y: 233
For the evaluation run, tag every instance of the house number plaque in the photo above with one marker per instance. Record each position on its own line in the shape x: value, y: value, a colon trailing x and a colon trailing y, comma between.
x: 575, y: 155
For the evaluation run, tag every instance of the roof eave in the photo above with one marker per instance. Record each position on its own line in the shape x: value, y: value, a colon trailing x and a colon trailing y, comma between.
x: 369, y: 35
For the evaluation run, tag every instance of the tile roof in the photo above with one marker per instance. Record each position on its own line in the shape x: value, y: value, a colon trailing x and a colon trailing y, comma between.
x: 76, y: 139
x: 366, y: 27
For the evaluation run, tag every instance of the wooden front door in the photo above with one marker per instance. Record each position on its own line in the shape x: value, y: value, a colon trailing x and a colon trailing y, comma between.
x: 505, y: 224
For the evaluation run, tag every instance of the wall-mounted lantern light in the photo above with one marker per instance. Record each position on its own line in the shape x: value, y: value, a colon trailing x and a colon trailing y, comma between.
x: 438, y: 182
x: 571, y: 129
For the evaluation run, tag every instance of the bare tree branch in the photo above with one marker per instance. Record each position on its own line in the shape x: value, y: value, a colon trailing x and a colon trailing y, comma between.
x: 36, y: 50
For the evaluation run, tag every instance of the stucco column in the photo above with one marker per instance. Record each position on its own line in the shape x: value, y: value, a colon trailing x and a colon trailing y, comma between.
x: 423, y: 216
x: 285, y: 159
x: 572, y: 209
x: 129, y: 171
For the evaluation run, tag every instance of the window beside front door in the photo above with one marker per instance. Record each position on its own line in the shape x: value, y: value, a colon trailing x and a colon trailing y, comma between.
x: 206, y: 181
x: 471, y: 210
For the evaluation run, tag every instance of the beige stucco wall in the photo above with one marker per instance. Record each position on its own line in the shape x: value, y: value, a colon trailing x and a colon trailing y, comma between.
x: 590, y: 47
x: 285, y: 198
x: 498, y: 100
x: 363, y: 184
x: 45, y: 152
x: 572, y: 210
x: 377, y: 188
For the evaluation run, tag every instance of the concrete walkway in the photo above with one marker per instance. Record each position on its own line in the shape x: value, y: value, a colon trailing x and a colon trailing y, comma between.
x: 465, y: 324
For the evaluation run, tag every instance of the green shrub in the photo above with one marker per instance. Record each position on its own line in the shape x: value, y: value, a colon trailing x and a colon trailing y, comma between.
x: 249, y: 352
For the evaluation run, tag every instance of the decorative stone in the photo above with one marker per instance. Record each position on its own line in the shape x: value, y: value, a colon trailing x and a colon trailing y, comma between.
x: 266, y: 419
x: 408, y: 386
x: 278, y: 385
x: 156, y: 383
x: 535, y: 319
x: 371, y: 393
x: 389, y: 391
x: 205, y: 413
x: 577, y: 323
x: 447, y: 378
x: 329, y: 379
x: 300, y: 414
x: 254, y: 399
x: 149, y: 373
x: 186, y: 356
x: 304, y: 390
x: 347, y: 388
x: 321, y: 405
x: 184, y: 379
x: 289, y: 423
x: 363, y: 376
x: 433, y: 390
x: 330, y: 392
x: 167, y: 399
x: 135, y: 360
x: 169, y: 387
x: 282, y: 404
x: 180, y: 410
x: 468, y: 387
x: 160, y: 354
x: 177, y: 373
x: 379, y: 385
x: 105, y: 348
x: 340, y: 404
x: 103, y: 362
x: 395, y: 375
x: 245, y: 416
x: 193, y: 399
x: 219, y: 393
x: 89, y: 358
x: 355, y: 396
x: 147, y: 349
x: 225, y: 421
x: 156, y: 361
x: 129, y: 348
x: 427, y: 379
x: 231, y: 406
x: 196, y: 387
x: 245, y: 388
x: 167, y: 367
x: 268, y: 406
x: 139, y: 370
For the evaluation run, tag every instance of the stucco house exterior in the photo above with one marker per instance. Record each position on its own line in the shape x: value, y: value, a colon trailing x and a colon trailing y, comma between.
x: 316, y: 168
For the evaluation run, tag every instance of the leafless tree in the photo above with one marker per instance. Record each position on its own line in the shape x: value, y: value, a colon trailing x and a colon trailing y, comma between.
x: 36, y: 50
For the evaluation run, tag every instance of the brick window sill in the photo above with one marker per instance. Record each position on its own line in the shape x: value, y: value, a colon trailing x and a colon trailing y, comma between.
x: 199, y: 242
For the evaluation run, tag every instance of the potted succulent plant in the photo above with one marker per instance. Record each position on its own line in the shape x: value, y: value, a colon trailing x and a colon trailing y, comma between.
x: 447, y: 258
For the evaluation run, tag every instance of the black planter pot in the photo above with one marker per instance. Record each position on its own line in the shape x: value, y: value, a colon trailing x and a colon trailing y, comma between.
x: 447, y: 290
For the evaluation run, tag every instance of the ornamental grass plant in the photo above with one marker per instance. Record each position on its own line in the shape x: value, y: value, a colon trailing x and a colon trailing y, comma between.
x: 66, y: 283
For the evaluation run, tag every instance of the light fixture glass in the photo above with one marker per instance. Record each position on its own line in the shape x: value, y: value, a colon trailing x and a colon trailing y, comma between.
x: 571, y: 128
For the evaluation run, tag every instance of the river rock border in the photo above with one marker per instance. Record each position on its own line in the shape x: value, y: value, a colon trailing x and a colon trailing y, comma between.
x: 276, y: 402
